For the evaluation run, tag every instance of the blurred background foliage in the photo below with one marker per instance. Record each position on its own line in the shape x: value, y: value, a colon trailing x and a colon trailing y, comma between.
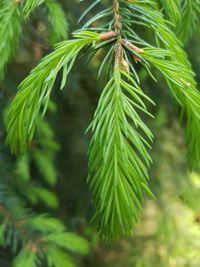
x: 51, y: 177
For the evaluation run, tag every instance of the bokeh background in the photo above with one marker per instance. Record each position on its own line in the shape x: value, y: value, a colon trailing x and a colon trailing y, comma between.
x: 168, y: 232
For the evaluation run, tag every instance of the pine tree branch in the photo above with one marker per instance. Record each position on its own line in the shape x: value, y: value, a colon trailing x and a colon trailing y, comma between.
x: 10, y: 29
x: 173, y: 64
x: 118, y: 153
x: 118, y: 159
x: 36, y: 237
x: 34, y: 92
x: 30, y: 6
x: 172, y: 10
x: 190, y: 18
x: 188, y: 97
x: 57, y: 20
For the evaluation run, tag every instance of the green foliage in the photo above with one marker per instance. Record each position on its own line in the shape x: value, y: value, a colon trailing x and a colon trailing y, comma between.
x: 10, y: 29
x: 23, y: 168
x: 30, y: 5
x: 185, y: 92
x: 190, y: 14
x: 118, y: 153
x: 70, y: 241
x: 45, y: 166
x: 58, y: 259
x: 118, y: 158
x: 57, y: 20
x: 168, y: 233
x: 38, y: 237
x: 172, y: 62
x: 45, y: 149
x: 42, y: 155
x: 56, y: 17
x: 172, y: 9
x: 35, y: 91
x: 12, y: 14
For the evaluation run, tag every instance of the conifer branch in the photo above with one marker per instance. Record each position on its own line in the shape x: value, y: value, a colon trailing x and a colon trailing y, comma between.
x: 118, y: 152
x: 172, y: 10
x: 34, y: 92
x: 173, y: 62
x: 12, y: 14
x: 36, y: 237
x: 10, y: 29
x: 188, y: 97
x: 118, y: 157
x: 31, y: 5
x: 190, y: 18
x: 57, y: 20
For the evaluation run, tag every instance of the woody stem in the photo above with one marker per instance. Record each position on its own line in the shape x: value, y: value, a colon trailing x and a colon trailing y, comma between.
x: 117, y: 28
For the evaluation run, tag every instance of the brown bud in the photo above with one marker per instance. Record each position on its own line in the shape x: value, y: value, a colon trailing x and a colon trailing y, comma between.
x: 136, y: 59
x: 132, y: 47
x: 108, y: 35
x: 125, y: 65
